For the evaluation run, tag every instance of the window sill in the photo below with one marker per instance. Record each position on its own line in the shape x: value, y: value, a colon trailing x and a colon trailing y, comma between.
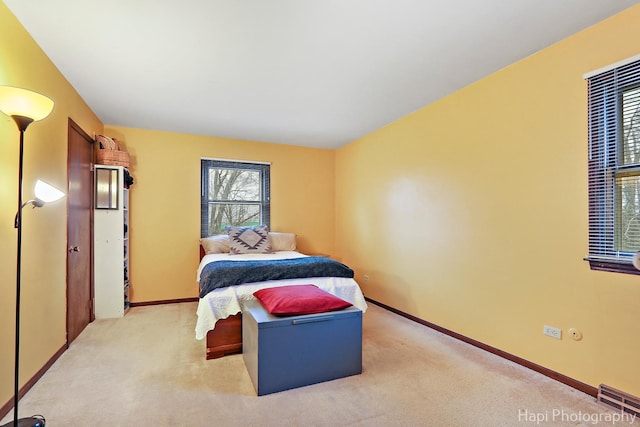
x: 612, y: 266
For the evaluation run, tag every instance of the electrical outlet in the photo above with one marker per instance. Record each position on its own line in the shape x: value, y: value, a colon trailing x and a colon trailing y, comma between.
x: 553, y: 332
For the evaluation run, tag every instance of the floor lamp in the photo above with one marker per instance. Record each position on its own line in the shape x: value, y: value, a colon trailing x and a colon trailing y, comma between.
x: 25, y: 107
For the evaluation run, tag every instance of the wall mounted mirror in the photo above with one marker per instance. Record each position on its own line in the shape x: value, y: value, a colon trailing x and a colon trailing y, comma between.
x: 106, y: 188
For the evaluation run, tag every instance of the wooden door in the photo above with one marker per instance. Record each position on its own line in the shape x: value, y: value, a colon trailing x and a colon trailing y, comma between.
x: 79, y: 232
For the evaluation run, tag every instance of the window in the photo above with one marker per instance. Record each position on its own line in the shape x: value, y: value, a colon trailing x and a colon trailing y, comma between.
x: 233, y: 194
x: 614, y: 168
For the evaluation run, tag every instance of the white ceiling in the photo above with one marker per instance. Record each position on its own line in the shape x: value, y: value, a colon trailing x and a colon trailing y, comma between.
x: 303, y: 72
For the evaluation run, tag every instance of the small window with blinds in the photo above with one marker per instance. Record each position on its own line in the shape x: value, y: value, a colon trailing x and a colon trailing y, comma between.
x: 233, y: 194
x: 614, y: 168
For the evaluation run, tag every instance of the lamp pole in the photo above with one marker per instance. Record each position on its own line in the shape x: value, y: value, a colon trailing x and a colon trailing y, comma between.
x: 23, y: 123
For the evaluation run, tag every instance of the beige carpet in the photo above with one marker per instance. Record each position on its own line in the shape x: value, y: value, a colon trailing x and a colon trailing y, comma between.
x: 148, y: 369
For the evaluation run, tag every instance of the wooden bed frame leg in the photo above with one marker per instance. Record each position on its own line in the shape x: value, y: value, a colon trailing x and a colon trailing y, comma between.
x: 221, y: 352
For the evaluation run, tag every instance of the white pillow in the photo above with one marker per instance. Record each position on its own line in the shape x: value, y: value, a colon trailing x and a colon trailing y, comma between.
x: 217, y: 244
x: 282, y: 241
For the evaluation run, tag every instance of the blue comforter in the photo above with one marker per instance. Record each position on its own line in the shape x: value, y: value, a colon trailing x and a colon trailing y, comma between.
x: 220, y: 274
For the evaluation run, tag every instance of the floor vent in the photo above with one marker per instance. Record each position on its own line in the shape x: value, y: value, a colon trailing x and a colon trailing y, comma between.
x: 619, y: 400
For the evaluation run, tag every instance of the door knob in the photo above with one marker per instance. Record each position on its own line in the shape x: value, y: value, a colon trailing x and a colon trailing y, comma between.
x: 73, y: 249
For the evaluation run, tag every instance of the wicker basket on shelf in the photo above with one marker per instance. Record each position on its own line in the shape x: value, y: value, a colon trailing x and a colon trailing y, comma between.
x: 109, y: 152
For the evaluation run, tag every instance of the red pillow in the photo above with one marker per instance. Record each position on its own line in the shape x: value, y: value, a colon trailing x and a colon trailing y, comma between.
x: 298, y: 299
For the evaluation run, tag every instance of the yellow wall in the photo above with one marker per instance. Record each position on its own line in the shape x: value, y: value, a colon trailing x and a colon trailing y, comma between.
x: 472, y: 213
x: 23, y: 64
x: 165, y: 202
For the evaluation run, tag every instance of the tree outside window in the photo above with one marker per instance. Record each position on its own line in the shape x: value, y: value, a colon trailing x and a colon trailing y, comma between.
x: 628, y: 180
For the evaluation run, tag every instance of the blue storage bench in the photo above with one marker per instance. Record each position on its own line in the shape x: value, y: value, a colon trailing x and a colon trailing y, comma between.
x: 282, y: 353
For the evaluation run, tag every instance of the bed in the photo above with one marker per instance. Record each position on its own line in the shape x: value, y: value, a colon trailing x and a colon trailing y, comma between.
x: 219, y: 318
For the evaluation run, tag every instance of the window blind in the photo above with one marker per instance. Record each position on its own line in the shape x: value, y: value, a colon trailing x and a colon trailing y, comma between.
x: 614, y: 163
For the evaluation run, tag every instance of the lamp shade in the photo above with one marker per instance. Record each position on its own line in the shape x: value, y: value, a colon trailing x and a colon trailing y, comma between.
x: 47, y: 193
x: 15, y: 101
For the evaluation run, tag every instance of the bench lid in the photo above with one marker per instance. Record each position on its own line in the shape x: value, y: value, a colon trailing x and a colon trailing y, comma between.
x: 264, y: 319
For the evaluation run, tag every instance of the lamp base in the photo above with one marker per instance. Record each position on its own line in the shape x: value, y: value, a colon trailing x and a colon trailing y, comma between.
x: 35, y: 421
